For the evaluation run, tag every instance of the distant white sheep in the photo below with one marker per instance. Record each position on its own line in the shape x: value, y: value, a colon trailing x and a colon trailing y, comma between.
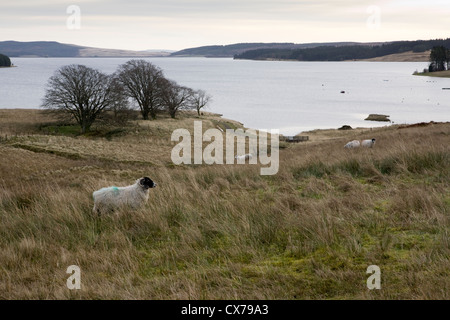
x: 353, y: 144
x: 244, y: 157
x: 369, y: 143
x: 134, y: 196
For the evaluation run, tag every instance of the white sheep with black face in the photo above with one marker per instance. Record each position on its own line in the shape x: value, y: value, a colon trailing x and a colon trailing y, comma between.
x: 369, y: 143
x: 133, y: 196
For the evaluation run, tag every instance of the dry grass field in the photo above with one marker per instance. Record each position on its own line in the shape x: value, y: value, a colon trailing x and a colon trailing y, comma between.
x: 404, y: 57
x: 223, y: 231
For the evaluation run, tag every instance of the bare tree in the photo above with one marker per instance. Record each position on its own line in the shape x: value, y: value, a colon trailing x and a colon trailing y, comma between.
x: 174, y: 97
x: 140, y: 79
x: 199, y: 100
x: 79, y: 91
x: 120, y: 111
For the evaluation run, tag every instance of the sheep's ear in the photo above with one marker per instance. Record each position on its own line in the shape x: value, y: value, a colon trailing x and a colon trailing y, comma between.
x: 141, y: 181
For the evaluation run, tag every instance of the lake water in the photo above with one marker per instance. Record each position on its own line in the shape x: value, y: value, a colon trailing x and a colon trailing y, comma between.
x: 289, y: 96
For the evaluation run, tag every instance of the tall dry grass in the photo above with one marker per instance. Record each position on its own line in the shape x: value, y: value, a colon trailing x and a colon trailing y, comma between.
x: 225, y: 231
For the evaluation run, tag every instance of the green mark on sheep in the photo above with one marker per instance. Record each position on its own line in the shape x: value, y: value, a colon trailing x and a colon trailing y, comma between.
x: 115, y: 191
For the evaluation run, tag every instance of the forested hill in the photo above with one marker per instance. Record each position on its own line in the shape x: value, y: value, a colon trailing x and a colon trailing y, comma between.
x: 4, y: 61
x: 342, y: 53
x: 233, y: 49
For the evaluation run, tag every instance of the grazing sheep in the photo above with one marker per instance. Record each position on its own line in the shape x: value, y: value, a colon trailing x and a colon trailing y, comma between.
x: 353, y: 144
x: 368, y: 143
x: 244, y: 156
x: 108, y: 199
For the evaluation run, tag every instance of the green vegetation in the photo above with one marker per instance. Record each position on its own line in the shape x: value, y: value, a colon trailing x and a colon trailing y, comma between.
x: 341, y: 53
x: 439, y: 59
x: 4, y: 61
x: 224, y: 231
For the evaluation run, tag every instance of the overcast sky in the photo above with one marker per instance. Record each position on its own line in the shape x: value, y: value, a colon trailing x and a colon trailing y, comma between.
x: 179, y: 24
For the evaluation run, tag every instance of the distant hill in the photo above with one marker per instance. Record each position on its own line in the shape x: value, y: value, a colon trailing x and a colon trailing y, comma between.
x: 57, y: 49
x: 325, y: 51
x: 39, y: 49
x: 238, y: 48
x: 399, y: 49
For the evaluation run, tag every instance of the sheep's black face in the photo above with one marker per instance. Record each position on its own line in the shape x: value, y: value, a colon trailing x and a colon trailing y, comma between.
x: 147, y: 183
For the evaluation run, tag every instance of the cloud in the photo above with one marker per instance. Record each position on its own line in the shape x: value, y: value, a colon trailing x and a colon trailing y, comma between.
x: 175, y: 24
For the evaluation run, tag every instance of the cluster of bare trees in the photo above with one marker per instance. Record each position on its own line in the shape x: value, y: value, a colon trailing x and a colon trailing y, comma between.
x: 85, y: 93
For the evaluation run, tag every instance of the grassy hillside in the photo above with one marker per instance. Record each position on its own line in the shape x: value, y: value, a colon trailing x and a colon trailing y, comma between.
x: 409, y: 56
x: 223, y: 231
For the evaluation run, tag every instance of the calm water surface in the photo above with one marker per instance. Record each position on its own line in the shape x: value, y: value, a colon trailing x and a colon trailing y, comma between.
x: 289, y: 96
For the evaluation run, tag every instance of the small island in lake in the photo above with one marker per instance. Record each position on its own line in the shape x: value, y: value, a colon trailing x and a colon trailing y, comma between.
x: 439, y: 63
x: 5, y: 62
x: 378, y: 117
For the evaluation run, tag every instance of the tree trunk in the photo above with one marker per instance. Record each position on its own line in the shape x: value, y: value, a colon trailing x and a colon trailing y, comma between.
x: 86, y: 122
x: 144, y: 114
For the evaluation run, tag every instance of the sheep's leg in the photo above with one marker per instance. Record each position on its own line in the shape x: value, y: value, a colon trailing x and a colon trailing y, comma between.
x: 97, y: 211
